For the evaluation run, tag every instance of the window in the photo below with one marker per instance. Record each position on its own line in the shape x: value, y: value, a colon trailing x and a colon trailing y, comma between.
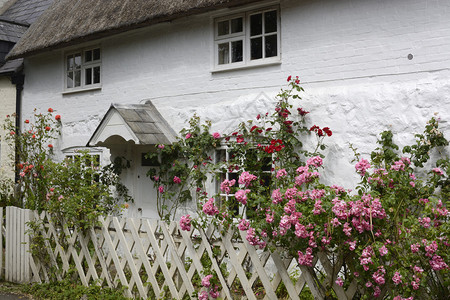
x: 86, y: 161
x: 83, y: 69
x: 248, y: 161
x: 247, y: 39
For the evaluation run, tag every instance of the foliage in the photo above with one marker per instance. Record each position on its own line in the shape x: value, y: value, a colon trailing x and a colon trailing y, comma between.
x: 69, y: 289
x: 180, y: 176
x: 393, y: 234
x: 76, y: 190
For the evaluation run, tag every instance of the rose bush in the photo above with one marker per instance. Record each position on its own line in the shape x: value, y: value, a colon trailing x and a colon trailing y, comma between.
x: 392, y: 232
x: 75, y: 191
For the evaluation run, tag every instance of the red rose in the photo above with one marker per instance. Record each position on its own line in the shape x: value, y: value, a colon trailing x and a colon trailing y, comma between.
x: 57, y: 117
x: 289, y: 78
x: 302, y: 112
x: 50, y: 109
x: 27, y: 121
x: 327, y: 131
x: 50, y: 145
x: 47, y: 128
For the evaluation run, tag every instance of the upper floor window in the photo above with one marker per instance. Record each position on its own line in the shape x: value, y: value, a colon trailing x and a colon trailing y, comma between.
x: 247, y: 39
x: 83, y: 69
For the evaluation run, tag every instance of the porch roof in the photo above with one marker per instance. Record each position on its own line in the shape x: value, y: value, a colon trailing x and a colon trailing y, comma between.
x: 140, y: 123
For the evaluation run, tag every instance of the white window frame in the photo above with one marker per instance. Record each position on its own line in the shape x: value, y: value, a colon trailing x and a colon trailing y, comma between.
x: 224, y: 196
x: 245, y: 37
x: 77, y: 151
x: 83, y: 68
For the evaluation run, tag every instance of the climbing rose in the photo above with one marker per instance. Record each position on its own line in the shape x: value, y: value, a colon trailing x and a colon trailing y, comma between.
x: 47, y: 128
x: 243, y: 225
x: 216, y: 135
x: 57, y: 117
x: 209, y: 208
x: 205, y: 280
x: 161, y: 189
x: 315, y: 161
x: 241, y: 196
x: 281, y: 173
x: 203, y: 295
x: 305, y: 259
x: 188, y: 136
x: 226, y: 185
x: 50, y: 145
x: 438, y: 171
x: 50, y: 109
x: 397, y: 278
x: 339, y: 281
x: 383, y: 251
x: 246, y: 178
x: 185, y: 223
x: 302, y: 112
x: 214, y: 293
x: 362, y: 166
x: 327, y: 131
x: 27, y: 121
x: 176, y: 179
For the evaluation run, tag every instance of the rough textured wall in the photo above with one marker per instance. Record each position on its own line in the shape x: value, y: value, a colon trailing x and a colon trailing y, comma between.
x: 7, y: 107
x: 352, y: 57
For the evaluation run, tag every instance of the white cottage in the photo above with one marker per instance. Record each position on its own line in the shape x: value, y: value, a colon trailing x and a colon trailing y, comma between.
x: 366, y: 65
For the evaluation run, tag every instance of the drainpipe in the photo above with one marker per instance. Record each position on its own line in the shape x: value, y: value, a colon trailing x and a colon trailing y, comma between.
x: 18, y: 79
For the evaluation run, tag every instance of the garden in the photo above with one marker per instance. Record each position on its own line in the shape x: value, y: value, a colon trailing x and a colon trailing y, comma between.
x: 386, y: 238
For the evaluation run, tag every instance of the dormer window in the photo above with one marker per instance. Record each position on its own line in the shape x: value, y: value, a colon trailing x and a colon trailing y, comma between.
x: 247, y: 39
x: 83, y: 69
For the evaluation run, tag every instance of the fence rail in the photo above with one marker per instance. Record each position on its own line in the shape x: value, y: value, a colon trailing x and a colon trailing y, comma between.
x: 152, y: 259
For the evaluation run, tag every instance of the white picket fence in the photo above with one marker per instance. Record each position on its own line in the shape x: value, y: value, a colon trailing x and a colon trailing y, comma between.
x: 153, y: 259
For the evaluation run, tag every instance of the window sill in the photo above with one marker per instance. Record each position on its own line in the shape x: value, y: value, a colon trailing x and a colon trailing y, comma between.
x: 265, y: 63
x: 80, y: 90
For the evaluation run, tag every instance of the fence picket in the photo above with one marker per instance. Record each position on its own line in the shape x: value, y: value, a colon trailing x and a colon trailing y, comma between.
x: 159, y: 251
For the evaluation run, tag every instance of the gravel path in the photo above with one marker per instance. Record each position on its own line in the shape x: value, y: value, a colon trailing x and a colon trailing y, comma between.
x: 9, y: 296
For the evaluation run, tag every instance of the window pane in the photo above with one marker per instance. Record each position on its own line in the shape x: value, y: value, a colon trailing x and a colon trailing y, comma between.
x: 256, y: 48
x: 270, y: 21
x: 271, y: 45
x: 236, y: 25
x: 96, y: 75
x: 255, y: 24
x: 88, y: 56
x: 234, y: 176
x: 77, y: 61
x: 69, y: 79
x: 236, y: 51
x: 96, y: 54
x: 88, y: 76
x: 221, y: 155
x: 224, y: 53
x: 77, y: 78
x: 69, y: 62
x: 223, y: 28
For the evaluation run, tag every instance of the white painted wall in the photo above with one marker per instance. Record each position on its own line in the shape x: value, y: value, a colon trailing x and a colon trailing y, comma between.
x: 351, y: 56
x: 7, y: 107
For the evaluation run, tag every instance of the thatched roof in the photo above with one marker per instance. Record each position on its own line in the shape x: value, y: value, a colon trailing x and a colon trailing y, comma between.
x: 69, y: 22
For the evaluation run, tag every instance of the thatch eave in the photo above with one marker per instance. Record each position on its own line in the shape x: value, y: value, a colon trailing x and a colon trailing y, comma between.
x: 25, y: 49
